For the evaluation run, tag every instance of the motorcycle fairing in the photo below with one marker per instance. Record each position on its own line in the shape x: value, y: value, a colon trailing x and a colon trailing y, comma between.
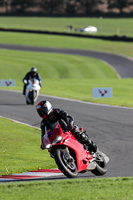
x: 33, y: 87
x: 82, y: 156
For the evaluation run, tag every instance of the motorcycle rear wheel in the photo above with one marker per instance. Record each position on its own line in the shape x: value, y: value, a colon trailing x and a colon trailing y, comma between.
x: 101, y: 166
x: 67, y: 166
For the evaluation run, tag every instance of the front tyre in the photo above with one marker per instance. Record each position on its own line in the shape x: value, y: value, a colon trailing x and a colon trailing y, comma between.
x: 101, y: 166
x: 65, y: 163
x: 31, y: 97
x: 27, y: 102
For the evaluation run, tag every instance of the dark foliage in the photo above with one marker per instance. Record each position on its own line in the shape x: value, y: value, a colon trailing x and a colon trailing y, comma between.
x: 70, y: 7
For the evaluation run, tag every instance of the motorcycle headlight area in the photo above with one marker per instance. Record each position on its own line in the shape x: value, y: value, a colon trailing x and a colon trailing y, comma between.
x: 48, y: 146
x: 57, y: 140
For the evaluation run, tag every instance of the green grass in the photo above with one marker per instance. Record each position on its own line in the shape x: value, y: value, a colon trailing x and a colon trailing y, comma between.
x: 14, y: 64
x: 106, y: 26
x: 124, y: 48
x: 72, y: 189
x: 20, y: 149
x: 82, y: 90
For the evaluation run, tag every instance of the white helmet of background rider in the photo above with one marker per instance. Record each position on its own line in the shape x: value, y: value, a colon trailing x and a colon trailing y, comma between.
x: 33, y: 71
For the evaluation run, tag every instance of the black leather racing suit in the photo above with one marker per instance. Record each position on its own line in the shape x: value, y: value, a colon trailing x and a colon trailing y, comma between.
x: 60, y: 116
x: 29, y: 76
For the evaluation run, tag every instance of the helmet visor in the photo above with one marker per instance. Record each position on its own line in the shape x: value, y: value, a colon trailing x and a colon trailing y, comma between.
x: 41, y: 113
x: 33, y: 74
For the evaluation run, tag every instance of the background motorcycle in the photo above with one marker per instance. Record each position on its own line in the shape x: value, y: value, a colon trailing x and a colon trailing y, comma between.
x: 70, y: 156
x: 32, y: 91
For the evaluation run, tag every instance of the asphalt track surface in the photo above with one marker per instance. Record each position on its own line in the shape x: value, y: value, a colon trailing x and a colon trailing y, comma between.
x: 110, y: 127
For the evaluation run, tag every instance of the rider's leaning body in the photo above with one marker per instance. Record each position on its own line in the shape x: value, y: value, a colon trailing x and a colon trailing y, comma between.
x: 52, y: 115
x: 30, y: 75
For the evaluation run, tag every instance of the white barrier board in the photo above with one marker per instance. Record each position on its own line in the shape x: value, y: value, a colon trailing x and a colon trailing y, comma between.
x: 7, y: 83
x: 102, y: 92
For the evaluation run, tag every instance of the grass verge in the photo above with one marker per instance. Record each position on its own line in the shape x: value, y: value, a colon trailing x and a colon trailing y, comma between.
x: 81, y: 89
x: 124, y: 48
x: 15, y: 64
x: 72, y: 189
x: 20, y: 149
x: 106, y: 26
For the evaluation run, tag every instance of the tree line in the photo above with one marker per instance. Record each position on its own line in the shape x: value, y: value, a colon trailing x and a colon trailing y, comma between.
x: 86, y: 7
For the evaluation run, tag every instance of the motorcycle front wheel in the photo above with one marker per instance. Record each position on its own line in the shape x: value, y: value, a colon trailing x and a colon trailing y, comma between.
x: 31, y: 97
x: 65, y: 163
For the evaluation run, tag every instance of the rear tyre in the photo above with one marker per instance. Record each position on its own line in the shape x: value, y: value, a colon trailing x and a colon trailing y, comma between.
x: 66, y: 163
x: 101, y: 166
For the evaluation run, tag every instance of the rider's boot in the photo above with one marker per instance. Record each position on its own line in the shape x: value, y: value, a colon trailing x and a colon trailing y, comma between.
x: 85, y: 139
x: 92, y: 146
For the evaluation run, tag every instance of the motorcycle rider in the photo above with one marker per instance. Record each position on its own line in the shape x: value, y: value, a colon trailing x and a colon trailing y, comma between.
x: 31, y: 74
x: 52, y: 115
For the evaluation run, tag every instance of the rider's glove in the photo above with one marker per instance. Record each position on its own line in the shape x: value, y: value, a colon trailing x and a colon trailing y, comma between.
x: 40, y: 83
x: 42, y: 147
x: 63, y: 125
x: 69, y: 127
x: 25, y: 81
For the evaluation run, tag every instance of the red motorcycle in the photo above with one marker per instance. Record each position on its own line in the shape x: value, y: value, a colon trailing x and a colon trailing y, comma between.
x: 71, y: 156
